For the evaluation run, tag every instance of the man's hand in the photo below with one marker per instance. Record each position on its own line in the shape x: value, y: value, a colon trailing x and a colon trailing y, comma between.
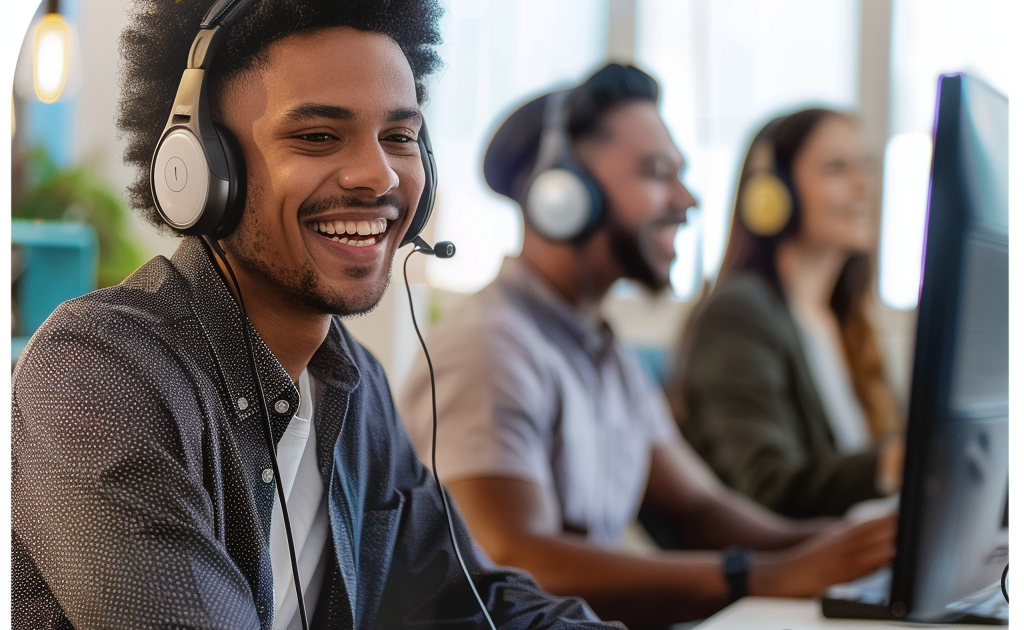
x: 843, y: 552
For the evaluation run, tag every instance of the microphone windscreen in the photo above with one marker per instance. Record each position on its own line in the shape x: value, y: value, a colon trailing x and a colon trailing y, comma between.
x: 444, y: 249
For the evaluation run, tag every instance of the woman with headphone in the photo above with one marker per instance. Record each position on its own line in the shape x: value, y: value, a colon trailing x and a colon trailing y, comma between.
x: 779, y: 381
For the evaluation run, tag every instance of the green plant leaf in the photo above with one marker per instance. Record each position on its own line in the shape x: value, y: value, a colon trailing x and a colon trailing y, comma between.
x: 76, y: 193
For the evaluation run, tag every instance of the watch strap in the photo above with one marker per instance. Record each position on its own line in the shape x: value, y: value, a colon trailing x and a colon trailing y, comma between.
x: 736, y: 566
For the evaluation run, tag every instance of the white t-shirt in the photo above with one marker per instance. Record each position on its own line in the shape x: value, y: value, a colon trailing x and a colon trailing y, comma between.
x: 307, y: 512
x: 828, y: 367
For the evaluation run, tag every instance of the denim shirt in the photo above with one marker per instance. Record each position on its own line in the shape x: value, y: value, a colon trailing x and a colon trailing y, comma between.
x: 142, y: 487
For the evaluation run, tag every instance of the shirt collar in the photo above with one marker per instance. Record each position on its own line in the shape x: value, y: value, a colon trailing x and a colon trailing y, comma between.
x: 218, y: 313
x: 593, y: 334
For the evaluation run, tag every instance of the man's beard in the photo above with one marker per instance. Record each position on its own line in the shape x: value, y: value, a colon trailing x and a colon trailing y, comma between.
x: 301, y: 285
x: 627, y: 249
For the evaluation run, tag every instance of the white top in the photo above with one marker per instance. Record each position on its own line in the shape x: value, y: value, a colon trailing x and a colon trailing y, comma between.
x: 828, y: 368
x: 528, y: 388
x: 307, y: 512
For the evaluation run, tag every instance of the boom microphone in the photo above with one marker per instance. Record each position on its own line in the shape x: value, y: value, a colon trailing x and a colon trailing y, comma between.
x: 444, y: 249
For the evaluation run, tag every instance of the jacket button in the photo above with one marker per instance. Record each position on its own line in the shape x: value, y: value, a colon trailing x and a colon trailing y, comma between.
x: 281, y: 406
x: 243, y: 404
x: 268, y: 475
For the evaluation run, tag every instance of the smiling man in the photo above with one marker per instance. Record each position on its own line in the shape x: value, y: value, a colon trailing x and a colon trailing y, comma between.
x: 550, y: 437
x: 144, y: 491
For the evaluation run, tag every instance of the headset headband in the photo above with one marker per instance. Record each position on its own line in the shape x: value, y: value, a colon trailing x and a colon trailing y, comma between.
x: 224, y: 13
x: 554, y: 136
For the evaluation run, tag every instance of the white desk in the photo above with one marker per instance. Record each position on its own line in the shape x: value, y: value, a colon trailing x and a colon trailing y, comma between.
x: 769, y: 613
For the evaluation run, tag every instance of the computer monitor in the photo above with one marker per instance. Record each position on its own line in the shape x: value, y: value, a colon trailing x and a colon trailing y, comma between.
x: 952, y: 538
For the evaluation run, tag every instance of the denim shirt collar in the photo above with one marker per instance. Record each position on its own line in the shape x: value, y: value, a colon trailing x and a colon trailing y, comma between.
x: 217, y: 310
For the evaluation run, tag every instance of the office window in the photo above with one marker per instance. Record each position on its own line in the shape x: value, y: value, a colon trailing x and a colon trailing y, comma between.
x: 726, y: 67
x: 930, y: 37
x: 497, y: 55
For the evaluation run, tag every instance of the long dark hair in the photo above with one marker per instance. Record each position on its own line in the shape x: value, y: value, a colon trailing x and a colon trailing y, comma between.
x: 784, y: 137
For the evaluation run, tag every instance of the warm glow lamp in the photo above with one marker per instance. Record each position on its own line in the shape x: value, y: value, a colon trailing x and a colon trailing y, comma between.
x: 51, y: 54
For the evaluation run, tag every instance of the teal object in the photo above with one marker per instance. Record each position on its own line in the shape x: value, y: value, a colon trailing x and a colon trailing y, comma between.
x: 655, y: 362
x: 52, y: 262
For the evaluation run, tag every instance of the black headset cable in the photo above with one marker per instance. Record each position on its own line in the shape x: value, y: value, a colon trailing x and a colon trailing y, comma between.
x: 268, y: 432
x: 433, y: 438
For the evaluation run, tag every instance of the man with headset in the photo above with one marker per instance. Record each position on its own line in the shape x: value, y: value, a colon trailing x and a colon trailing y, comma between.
x: 549, y: 436
x: 205, y: 445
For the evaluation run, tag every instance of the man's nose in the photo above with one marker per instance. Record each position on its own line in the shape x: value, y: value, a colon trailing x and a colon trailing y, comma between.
x: 366, y: 167
x: 684, y: 199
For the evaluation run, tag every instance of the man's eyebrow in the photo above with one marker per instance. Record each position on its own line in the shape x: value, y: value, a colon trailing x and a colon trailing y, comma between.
x: 396, y: 115
x: 309, y: 111
x: 654, y: 159
x: 312, y: 111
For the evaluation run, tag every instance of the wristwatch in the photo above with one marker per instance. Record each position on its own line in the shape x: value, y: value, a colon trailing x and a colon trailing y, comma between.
x: 736, y: 565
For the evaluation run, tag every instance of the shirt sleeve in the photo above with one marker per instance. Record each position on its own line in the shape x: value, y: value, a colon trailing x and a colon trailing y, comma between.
x: 112, y: 525
x: 495, y: 406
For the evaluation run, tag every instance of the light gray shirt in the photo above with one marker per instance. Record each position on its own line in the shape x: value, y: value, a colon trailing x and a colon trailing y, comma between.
x: 528, y: 388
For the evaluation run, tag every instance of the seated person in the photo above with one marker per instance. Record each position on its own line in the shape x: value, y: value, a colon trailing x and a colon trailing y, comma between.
x: 779, y: 383
x: 143, y: 491
x: 550, y: 435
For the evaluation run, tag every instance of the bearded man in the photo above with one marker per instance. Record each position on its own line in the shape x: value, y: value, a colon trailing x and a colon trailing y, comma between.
x: 550, y: 435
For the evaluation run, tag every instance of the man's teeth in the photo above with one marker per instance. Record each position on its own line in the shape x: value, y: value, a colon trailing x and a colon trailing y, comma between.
x: 354, y: 242
x: 339, y: 230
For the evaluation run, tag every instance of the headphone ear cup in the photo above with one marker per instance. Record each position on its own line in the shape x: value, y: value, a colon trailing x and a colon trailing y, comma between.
x: 766, y: 204
x: 234, y: 162
x: 198, y: 187
x: 179, y: 177
x: 563, y: 203
x: 426, y: 204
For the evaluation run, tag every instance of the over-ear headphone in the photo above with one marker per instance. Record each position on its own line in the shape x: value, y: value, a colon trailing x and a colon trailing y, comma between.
x: 563, y: 202
x: 767, y: 201
x: 197, y: 173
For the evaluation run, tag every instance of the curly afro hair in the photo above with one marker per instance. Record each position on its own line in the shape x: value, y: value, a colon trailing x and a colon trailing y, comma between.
x: 155, y: 44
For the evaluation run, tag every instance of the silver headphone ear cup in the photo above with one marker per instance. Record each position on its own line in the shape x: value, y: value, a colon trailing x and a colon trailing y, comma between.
x: 558, y: 204
x: 562, y: 201
x: 199, y: 189
x: 180, y: 179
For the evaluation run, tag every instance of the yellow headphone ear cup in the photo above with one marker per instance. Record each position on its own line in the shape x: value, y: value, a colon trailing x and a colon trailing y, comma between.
x: 765, y: 205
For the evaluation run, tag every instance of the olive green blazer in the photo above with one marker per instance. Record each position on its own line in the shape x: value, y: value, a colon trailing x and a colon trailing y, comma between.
x: 753, y: 410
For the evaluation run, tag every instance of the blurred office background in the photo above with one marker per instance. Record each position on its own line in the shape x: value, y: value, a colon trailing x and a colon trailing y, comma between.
x: 725, y: 67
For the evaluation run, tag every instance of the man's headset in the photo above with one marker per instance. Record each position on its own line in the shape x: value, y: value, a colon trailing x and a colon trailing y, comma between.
x: 198, y: 175
x: 768, y: 202
x: 563, y: 202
